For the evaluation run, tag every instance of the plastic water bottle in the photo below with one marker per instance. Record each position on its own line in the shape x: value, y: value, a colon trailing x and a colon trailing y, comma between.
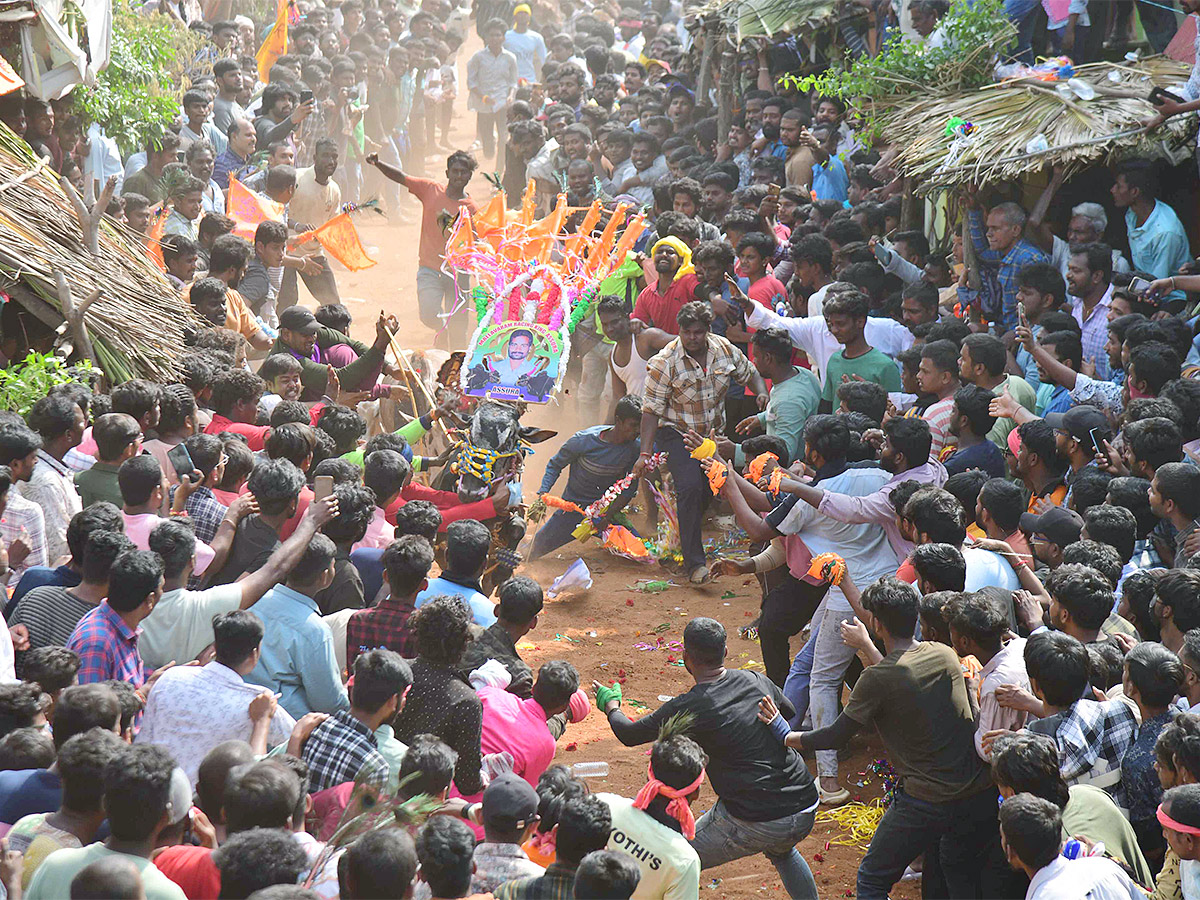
x: 590, y: 769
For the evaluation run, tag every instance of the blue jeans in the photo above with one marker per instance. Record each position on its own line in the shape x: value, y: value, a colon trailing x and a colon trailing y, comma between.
x: 554, y: 532
x: 721, y: 838
x: 961, y: 830
x: 1021, y: 14
x: 796, y: 688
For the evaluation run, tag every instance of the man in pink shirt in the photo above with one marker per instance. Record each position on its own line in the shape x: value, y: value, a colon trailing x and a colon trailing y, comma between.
x: 519, y: 727
x: 386, y: 473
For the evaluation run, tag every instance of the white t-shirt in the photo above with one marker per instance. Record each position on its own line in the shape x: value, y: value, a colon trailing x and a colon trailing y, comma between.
x: 670, y: 867
x: 181, y: 624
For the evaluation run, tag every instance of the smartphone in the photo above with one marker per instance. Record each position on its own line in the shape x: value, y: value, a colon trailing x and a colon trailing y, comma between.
x: 322, y: 487
x: 181, y: 460
x: 1159, y: 94
x: 1096, y: 442
x: 306, y: 97
x: 1021, y: 314
x: 1140, y: 286
x: 773, y: 190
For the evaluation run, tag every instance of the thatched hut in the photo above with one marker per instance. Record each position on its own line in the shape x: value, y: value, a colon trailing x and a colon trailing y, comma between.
x: 135, y: 325
x: 1019, y: 127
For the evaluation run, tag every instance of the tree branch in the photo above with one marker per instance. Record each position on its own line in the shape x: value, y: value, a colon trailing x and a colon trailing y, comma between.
x: 74, y: 315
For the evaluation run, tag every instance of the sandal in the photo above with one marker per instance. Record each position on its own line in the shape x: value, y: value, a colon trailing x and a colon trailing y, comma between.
x: 700, y: 575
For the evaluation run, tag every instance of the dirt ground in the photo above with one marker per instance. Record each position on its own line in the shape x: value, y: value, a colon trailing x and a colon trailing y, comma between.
x: 597, y: 629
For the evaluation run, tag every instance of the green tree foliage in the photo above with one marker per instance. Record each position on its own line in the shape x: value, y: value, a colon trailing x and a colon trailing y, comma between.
x: 28, y: 381
x: 137, y: 96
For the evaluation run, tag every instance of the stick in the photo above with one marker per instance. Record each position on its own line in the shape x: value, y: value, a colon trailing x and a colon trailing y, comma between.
x: 74, y: 315
x: 408, y: 370
x: 25, y: 176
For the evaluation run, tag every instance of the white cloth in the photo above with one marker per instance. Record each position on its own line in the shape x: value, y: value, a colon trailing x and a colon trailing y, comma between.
x: 812, y: 335
x: 1090, y: 878
x: 1060, y: 255
x: 1006, y: 667
x: 51, y: 487
x: 181, y: 625
x: 103, y: 159
x: 670, y: 867
x: 191, y: 709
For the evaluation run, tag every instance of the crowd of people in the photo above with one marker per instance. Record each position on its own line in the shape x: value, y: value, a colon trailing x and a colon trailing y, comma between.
x: 969, y: 477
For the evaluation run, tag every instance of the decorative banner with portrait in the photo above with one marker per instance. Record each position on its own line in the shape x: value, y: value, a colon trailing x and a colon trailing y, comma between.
x: 515, y: 361
x: 536, y: 283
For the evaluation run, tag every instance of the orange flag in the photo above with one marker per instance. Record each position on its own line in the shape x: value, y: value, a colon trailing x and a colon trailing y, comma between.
x: 275, y: 44
x: 249, y: 209
x: 154, y: 236
x: 340, y: 240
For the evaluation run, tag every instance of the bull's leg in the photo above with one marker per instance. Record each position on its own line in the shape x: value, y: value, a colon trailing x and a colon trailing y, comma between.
x: 506, y: 535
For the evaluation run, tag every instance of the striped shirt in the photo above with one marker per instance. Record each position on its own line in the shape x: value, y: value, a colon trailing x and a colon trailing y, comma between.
x: 51, y: 614
x: 939, y: 416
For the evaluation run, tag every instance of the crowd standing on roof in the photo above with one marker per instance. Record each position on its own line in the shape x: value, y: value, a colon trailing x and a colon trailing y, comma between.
x: 969, y: 475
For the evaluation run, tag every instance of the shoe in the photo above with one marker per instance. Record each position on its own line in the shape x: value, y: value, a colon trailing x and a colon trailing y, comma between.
x: 832, y: 798
x: 700, y: 575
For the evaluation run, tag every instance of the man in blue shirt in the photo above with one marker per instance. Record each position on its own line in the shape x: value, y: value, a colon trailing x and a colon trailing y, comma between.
x: 1157, y: 241
x: 297, y: 657
x: 467, y: 544
x: 829, y: 178
x: 595, y: 458
x: 527, y: 46
x: 1003, y: 251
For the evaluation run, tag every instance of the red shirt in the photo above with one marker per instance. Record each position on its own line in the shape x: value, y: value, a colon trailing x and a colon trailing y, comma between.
x: 662, y: 310
x: 434, y: 203
x: 289, y: 527
x: 767, y: 290
x: 192, y: 869
x: 447, y: 502
x: 256, y: 435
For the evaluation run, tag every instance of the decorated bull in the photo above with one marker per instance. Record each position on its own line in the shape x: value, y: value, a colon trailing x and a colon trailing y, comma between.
x: 490, y: 453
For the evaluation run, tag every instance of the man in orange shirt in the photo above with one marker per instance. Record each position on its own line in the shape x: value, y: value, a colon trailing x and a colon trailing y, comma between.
x: 436, y: 289
x: 227, y: 263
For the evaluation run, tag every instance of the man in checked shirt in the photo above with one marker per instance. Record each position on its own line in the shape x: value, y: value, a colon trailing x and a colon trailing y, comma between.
x: 685, y: 391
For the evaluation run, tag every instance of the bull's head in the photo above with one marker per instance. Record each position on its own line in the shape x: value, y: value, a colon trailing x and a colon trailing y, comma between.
x: 493, y: 449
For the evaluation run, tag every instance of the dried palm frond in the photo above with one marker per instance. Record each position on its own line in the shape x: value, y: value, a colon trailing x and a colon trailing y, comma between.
x: 137, y: 324
x: 370, y: 809
x: 766, y: 18
x: 1007, y: 116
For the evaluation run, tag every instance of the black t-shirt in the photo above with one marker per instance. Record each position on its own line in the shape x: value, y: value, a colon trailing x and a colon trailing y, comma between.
x: 757, y: 777
x: 253, y: 544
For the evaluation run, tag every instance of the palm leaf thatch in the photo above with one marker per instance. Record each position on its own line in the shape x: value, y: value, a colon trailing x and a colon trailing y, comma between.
x: 137, y: 324
x: 766, y: 18
x: 1007, y: 116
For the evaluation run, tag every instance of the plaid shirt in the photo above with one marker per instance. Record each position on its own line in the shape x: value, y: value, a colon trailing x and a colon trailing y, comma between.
x: 684, y: 394
x: 1021, y: 254
x: 339, y: 749
x: 107, y: 648
x: 206, y: 513
x: 1092, y: 737
x: 557, y: 884
x: 385, y: 625
x: 1095, y: 332
x: 23, y: 519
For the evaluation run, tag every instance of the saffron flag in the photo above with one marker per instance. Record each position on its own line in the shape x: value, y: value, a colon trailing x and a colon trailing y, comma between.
x: 339, y: 238
x: 9, y: 80
x: 248, y: 209
x: 275, y: 44
x: 154, y: 236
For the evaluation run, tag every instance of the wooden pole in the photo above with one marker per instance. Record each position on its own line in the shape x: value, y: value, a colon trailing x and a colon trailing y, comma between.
x: 725, y: 88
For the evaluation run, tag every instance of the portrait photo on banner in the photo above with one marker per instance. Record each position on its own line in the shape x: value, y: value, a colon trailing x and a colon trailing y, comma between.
x: 514, y: 361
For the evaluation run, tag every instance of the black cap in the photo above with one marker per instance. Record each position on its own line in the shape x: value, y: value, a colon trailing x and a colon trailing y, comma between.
x: 509, y: 802
x: 297, y: 318
x: 1059, y: 525
x: 1080, y: 421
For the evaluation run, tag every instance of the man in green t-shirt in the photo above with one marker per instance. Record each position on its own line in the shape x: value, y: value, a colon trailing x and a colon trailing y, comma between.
x: 846, y: 317
x: 916, y: 698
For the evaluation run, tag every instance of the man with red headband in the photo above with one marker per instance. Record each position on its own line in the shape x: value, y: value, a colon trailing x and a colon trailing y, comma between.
x: 655, y: 827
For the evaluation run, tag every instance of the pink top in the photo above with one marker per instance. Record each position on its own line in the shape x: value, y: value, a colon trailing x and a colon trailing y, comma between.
x: 379, y: 532
x: 138, y: 528
x: 88, y: 444
x: 518, y: 726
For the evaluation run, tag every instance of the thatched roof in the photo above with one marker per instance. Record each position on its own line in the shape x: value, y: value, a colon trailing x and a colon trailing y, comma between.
x: 1007, y: 116
x: 766, y: 18
x: 136, y: 325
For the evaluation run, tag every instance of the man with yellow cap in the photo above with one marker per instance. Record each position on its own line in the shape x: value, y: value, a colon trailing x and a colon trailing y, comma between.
x: 526, y: 45
x: 659, y: 303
